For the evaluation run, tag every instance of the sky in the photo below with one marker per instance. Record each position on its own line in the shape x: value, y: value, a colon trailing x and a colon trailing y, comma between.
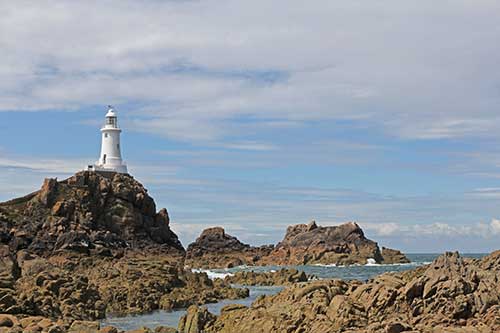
x: 256, y: 115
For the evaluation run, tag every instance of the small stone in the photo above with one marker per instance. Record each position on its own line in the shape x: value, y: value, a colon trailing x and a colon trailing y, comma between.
x: 6, y: 321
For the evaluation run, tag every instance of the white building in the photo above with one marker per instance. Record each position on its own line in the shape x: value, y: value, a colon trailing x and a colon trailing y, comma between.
x: 111, y: 156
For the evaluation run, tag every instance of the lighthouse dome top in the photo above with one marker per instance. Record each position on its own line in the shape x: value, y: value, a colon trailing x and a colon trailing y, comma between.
x: 111, y: 112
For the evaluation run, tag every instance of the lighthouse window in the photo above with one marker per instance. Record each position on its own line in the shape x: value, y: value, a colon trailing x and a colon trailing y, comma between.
x: 105, y: 135
x: 118, y: 146
x: 111, y: 121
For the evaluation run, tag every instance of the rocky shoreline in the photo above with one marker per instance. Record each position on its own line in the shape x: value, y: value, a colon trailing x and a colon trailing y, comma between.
x: 88, y: 246
x: 453, y: 294
x: 93, y: 245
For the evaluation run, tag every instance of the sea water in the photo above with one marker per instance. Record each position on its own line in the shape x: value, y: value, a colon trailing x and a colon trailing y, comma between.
x: 355, y: 272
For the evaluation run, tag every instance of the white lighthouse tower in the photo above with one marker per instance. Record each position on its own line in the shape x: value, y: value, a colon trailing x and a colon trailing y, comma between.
x: 111, y: 157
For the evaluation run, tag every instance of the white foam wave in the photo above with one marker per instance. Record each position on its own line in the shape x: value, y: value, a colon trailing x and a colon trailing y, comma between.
x: 211, y: 274
x: 327, y: 265
x: 370, y: 262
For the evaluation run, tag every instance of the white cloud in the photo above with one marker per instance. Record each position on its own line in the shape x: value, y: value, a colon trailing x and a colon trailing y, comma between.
x: 62, y: 165
x: 416, y: 71
x: 495, y: 226
x: 250, y: 145
x: 437, y: 229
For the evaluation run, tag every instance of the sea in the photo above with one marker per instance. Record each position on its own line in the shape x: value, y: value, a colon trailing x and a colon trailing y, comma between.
x: 354, y: 272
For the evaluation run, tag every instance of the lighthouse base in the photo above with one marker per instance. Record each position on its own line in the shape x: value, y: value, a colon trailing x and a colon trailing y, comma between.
x: 107, y: 169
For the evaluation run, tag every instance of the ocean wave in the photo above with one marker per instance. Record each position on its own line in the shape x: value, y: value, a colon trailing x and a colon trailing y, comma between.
x: 370, y: 262
x: 327, y: 265
x: 212, y: 274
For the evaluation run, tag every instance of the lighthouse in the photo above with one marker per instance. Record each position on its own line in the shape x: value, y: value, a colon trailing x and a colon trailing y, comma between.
x: 111, y: 156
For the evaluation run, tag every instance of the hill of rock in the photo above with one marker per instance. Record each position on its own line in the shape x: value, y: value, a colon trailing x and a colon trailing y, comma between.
x: 215, y: 249
x: 88, y: 246
x: 303, y: 244
x: 344, y: 244
x: 90, y: 213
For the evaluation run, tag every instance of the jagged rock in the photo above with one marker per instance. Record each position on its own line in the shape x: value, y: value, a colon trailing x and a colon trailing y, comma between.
x: 195, y: 320
x: 138, y: 285
x: 88, y: 212
x: 216, y: 249
x: 391, y: 256
x: 9, y: 270
x: 47, y: 193
x: 84, y: 327
x: 56, y: 293
x: 303, y: 244
x: 342, y: 245
x: 282, y: 277
x: 7, y: 320
x: 453, y: 294
x: 90, y: 245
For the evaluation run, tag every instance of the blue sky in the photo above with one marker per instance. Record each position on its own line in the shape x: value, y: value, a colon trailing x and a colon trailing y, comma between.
x: 258, y: 115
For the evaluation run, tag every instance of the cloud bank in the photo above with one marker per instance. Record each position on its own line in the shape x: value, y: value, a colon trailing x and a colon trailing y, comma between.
x: 190, y: 68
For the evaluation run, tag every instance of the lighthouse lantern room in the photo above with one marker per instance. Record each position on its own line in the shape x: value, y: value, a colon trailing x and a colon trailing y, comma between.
x: 111, y: 157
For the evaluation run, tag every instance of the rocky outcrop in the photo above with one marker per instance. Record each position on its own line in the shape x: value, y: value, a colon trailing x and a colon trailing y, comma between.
x: 284, y: 276
x: 195, y: 320
x: 345, y: 244
x: 88, y: 288
x: 391, y: 256
x: 89, y: 213
x: 216, y: 249
x: 91, y: 245
x: 452, y: 294
x: 303, y: 244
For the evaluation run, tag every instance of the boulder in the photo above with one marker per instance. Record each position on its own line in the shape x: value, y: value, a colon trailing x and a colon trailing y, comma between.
x: 284, y: 276
x: 214, y: 248
x: 84, y: 327
x: 7, y: 320
x: 195, y: 320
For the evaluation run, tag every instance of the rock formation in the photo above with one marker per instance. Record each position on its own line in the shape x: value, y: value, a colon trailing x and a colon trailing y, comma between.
x: 284, y: 276
x: 216, y: 249
x: 87, y: 213
x: 452, y: 294
x: 345, y: 244
x: 303, y: 244
x: 91, y: 245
